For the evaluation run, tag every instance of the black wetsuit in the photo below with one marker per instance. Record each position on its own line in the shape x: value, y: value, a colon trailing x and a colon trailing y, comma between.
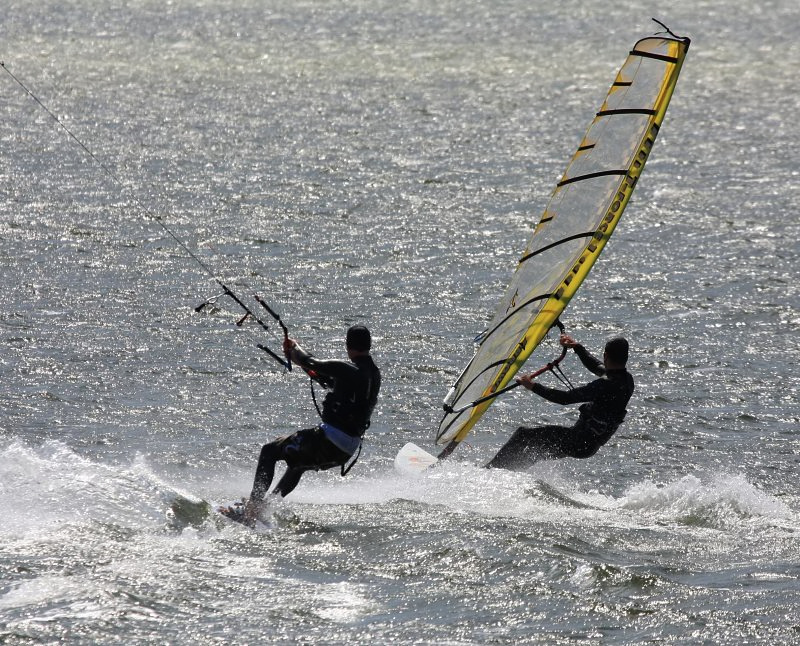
x: 347, y: 408
x: 600, y: 416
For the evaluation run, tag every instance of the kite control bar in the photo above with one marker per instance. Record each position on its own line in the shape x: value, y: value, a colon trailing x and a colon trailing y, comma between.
x: 227, y: 291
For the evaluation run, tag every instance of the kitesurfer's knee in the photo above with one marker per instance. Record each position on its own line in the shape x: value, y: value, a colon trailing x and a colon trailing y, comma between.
x: 270, y: 452
x: 265, y: 471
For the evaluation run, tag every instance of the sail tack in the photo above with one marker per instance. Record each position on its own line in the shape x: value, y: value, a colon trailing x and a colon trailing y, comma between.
x: 582, y: 213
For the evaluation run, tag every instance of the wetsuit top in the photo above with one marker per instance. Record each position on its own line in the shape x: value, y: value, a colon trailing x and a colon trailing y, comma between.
x: 353, y: 390
x: 606, y: 398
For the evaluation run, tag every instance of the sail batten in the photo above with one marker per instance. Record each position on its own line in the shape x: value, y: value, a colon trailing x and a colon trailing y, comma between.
x: 553, y: 245
x: 600, y: 173
x: 581, y: 215
x: 659, y: 57
x: 608, y: 113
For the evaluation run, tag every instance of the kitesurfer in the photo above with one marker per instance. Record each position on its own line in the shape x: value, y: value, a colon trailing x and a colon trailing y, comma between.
x: 346, y: 410
x: 601, y: 413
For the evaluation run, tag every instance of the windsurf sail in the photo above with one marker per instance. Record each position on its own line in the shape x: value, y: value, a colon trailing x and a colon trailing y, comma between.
x: 581, y: 215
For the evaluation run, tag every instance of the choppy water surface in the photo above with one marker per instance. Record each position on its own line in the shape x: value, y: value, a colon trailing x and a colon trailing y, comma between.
x: 383, y: 163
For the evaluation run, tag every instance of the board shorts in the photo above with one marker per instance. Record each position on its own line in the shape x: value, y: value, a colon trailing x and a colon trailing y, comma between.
x: 310, y: 449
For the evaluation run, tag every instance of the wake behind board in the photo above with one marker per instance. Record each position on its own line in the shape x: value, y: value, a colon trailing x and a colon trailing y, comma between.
x: 412, y: 460
x: 549, y: 491
x: 184, y: 511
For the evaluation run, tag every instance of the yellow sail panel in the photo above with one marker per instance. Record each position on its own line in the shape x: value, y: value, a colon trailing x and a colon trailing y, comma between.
x: 579, y: 218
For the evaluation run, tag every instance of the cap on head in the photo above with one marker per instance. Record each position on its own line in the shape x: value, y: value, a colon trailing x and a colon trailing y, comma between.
x: 359, y: 339
x: 617, y: 350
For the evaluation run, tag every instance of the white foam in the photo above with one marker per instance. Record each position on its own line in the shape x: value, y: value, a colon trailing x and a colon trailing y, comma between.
x: 716, y: 498
x: 48, y: 485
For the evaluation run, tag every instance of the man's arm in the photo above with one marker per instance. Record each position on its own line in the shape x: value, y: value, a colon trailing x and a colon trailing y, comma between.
x: 564, y: 397
x: 324, y: 371
x: 590, y: 362
x: 328, y: 370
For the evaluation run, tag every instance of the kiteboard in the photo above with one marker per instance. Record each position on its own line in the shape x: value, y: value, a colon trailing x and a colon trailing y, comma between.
x: 412, y: 460
x: 235, y: 513
x: 184, y: 512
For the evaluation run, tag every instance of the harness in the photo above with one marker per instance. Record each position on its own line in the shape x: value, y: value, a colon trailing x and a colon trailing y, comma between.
x: 345, y: 468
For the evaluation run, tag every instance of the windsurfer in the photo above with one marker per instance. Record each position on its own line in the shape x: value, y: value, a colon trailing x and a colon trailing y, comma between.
x: 346, y: 412
x: 601, y: 413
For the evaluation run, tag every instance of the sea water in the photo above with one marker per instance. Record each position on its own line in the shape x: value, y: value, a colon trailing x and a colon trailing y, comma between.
x: 383, y: 163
